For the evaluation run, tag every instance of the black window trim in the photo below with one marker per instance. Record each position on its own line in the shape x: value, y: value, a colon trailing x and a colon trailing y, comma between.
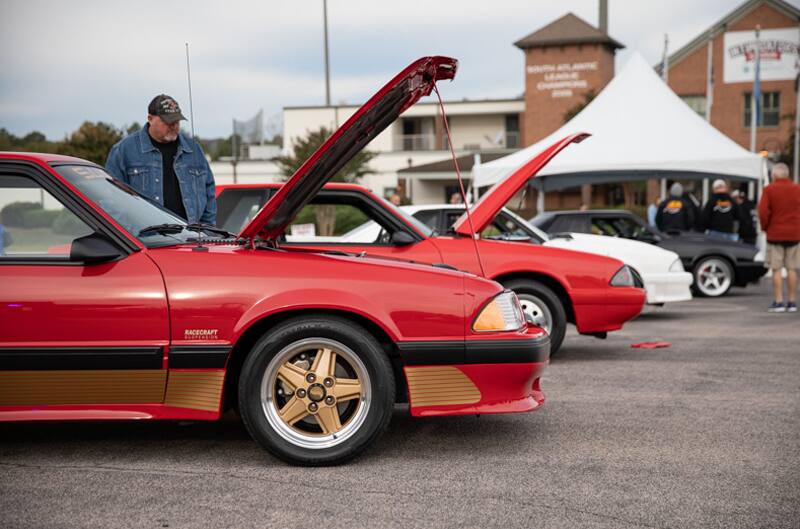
x: 80, y: 209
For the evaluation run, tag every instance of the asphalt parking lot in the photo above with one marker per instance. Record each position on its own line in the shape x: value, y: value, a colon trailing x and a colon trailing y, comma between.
x: 704, y: 433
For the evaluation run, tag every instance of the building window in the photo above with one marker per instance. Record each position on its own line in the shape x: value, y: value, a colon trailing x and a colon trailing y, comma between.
x: 512, y: 131
x: 770, y: 109
x: 416, y: 135
x: 696, y: 103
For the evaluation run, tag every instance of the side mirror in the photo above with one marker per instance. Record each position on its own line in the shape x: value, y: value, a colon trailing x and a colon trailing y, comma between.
x: 401, y: 238
x: 93, y: 248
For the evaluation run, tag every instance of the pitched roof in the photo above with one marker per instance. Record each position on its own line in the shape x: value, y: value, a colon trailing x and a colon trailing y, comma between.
x: 465, y: 164
x: 568, y: 29
x: 702, y: 39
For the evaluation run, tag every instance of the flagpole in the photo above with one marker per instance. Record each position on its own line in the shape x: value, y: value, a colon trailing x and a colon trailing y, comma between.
x: 756, y: 94
x: 189, y: 78
x: 327, y: 68
x: 797, y: 126
x: 709, y: 97
x: 234, y: 151
x: 665, y: 60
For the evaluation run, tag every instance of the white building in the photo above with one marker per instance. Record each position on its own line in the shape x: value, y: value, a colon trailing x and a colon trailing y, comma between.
x: 418, y: 138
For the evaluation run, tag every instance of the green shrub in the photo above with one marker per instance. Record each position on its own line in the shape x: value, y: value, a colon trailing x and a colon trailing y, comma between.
x: 40, y: 218
x: 66, y: 223
x: 14, y: 214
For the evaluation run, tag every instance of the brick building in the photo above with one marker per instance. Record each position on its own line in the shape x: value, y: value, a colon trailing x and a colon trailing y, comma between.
x: 729, y: 43
x: 564, y: 62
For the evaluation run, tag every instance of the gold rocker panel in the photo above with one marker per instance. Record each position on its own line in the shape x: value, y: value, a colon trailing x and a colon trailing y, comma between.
x: 40, y: 388
x: 440, y: 386
x: 198, y: 390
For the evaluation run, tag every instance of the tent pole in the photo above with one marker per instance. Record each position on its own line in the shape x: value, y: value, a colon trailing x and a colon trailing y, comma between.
x: 663, y: 189
x: 705, y: 190
x: 540, y: 201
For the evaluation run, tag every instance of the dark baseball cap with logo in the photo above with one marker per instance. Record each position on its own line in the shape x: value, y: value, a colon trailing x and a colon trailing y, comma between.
x: 166, y: 108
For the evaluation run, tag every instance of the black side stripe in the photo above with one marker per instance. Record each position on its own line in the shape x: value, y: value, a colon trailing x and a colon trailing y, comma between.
x: 475, y: 351
x: 198, y: 356
x: 66, y: 358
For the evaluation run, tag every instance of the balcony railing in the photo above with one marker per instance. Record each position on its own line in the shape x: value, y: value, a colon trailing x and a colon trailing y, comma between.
x: 414, y: 142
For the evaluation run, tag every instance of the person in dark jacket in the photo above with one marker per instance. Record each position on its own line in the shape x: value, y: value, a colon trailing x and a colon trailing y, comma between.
x: 748, y: 217
x: 676, y: 212
x: 720, y: 217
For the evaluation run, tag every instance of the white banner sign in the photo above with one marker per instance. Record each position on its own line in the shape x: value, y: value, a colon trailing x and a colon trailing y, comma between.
x: 778, y: 55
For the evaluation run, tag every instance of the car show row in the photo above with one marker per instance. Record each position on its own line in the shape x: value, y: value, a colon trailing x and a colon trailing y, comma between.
x: 133, y: 313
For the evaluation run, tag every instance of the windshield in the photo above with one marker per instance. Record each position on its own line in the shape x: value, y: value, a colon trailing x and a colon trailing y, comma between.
x: 422, y: 228
x: 539, y: 234
x: 130, y: 209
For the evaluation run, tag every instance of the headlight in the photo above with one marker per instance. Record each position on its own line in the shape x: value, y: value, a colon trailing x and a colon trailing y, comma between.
x: 503, y: 313
x: 677, y: 266
x: 623, y: 278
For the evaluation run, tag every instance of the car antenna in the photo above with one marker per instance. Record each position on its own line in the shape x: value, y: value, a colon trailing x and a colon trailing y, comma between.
x: 460, y: 181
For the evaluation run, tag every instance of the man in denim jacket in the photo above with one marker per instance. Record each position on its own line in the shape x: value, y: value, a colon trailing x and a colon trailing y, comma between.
x: 166, y: 166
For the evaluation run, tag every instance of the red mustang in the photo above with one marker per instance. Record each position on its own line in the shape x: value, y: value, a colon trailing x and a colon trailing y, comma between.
x: 596, y: 293
x: 113, y: 308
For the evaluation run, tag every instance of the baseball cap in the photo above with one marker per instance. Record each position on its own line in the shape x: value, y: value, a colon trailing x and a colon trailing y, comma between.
x: 166, y: 108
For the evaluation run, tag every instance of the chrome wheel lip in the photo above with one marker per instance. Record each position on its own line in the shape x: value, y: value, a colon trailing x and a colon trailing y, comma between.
x: 537, y: 309
x: 713, y: 277
x: 270, y: 407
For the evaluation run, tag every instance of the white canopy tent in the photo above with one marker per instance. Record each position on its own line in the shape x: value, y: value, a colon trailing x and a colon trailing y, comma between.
x: 640, y: 130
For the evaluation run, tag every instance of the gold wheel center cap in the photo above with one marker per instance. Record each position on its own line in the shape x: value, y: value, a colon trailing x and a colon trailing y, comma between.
x: 316, y: 392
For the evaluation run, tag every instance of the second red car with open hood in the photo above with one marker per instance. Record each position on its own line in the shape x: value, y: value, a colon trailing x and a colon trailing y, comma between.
x: 556, y: 286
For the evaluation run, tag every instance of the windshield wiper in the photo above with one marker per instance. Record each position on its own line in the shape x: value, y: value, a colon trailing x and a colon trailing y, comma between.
x: 177, y: 228
x: 212, y: 229
x: 162, y: 229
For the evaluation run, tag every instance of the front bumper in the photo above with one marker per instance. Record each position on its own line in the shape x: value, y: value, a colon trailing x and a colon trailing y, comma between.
x: 668, y: 287
x: 476, y: 376
x: 749, y: 272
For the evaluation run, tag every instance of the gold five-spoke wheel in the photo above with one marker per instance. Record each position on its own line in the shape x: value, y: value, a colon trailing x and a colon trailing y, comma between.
x: 315, y: 392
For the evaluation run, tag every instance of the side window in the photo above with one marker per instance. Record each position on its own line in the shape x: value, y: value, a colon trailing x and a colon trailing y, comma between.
x: 323, y: 222
x: 450, y: 218
x: 602, y: 226
x: 429, y: 217
x: 237, y: 207
x: 568, y: 223
x: 627, y: 227
x: 33, y: 224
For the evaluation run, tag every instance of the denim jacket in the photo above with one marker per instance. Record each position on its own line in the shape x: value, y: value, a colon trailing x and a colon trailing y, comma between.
x: 135, y: 161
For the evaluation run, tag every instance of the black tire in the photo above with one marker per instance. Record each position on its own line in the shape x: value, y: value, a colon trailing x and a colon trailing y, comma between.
x: 373, y: 413
x: 529, y: 289
x: 712, y: 277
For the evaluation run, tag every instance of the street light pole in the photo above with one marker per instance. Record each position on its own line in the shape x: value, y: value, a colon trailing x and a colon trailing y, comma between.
x: 327, y: 68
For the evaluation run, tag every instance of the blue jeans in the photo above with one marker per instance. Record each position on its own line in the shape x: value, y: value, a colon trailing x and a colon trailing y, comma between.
x: 723, y: 235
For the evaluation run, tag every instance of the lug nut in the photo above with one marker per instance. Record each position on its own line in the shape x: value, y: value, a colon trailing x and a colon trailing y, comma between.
x: 301, y: 393
x: 311, y: 377
x: 328, y: 382
x: 329, y: 400
x: 312, y: 407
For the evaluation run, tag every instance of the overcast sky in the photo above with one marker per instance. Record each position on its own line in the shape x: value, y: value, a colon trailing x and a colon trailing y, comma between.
x: 66, y: 62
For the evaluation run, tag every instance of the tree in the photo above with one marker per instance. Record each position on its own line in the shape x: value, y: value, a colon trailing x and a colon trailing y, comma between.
x: 303, y: 148
x: 575, y: 110
x: 91, y: 141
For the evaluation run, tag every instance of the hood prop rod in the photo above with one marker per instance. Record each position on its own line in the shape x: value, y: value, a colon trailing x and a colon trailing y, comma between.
x: 460, y: 180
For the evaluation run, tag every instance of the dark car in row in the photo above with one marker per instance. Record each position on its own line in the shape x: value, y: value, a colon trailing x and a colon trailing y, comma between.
x: 716, y: 265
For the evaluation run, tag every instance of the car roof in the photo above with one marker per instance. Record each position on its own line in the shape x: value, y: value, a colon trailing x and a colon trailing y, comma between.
x: 276, y: 185
x: 42, y: 157
x: 588, y: 212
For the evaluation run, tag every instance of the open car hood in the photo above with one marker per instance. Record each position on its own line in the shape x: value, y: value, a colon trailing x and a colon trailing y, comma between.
x: 493, y: 200
x: 371, y: 119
